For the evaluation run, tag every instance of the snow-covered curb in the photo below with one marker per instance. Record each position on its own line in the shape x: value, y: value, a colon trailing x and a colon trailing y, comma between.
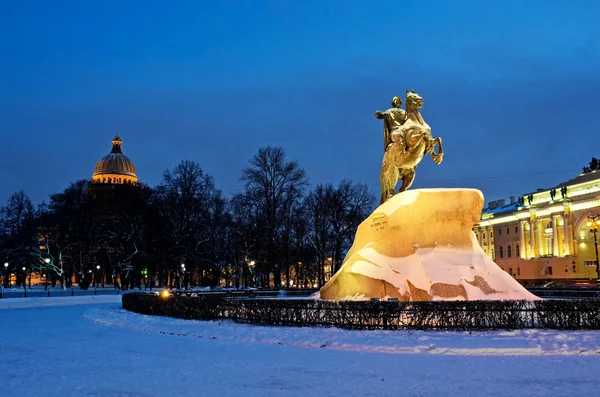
x: 21, y: 303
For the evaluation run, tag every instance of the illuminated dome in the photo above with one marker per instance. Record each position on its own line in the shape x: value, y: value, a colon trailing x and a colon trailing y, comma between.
x: 115, y: 168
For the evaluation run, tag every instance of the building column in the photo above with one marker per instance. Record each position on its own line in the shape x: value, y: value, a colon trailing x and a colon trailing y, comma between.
x: 522, y: 247
x: 540, y: 238
x: 555, y: 250
x: 572, y: 231
x: 487, y: 238
x: 530, y: 246
x: 568, y: 236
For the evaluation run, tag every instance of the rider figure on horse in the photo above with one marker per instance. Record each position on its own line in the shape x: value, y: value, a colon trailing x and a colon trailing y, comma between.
x: 393, y: 119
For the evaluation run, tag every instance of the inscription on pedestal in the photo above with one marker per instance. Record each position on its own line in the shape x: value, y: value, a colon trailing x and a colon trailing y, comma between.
x: 379, y: 223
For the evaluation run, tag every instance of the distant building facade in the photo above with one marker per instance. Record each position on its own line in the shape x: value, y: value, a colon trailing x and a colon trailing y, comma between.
x: 542, y: 236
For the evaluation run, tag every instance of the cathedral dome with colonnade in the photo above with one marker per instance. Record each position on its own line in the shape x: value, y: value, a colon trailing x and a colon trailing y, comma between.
x: 115, y: 168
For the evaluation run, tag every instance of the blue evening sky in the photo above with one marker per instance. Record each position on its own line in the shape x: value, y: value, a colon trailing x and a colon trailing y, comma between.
x: 511, y: 86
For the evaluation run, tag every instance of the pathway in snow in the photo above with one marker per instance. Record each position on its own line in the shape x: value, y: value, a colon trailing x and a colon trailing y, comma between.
x: 526, y: 342
x: 103, y: 350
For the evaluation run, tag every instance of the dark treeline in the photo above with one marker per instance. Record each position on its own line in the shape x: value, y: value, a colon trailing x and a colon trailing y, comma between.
x: 185, y: 232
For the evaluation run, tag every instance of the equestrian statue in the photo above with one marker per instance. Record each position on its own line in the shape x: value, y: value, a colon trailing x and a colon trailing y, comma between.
x: 406, y: 140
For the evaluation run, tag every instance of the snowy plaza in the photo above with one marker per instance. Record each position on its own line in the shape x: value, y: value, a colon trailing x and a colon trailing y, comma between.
x: 294, y: 198
x: 90, y: 346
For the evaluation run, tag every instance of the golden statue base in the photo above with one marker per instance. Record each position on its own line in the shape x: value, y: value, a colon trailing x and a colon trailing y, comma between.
x: 419, y: 246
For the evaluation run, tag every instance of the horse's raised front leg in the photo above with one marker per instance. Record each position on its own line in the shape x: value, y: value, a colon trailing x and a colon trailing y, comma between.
x: 415, y: 136
x: 439, y: 156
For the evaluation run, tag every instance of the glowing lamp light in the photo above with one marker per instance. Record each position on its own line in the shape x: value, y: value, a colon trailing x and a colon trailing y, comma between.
x: 5, y: 264
x: 24, y: 268
x: 589, y: 223
x: 183, y: 265
x: 97, y: 267
x: 47, y: 260
x: 165, y: 293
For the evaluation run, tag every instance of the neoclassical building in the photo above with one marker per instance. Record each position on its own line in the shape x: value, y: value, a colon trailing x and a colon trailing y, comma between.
x: 115, y: 168
x: 543, y: 236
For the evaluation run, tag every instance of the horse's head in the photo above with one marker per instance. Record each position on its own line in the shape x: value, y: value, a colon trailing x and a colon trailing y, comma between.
x: 413, y: 101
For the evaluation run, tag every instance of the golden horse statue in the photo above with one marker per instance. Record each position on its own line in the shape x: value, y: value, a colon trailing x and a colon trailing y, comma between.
x: 407, y: 139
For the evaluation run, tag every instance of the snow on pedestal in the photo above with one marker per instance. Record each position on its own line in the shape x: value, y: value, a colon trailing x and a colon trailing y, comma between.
x: 419, y: 246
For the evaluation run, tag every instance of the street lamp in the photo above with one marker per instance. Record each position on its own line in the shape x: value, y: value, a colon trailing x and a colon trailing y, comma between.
x: 182, y: 277
x: 25, y: 278
x: 47, y: 260
x: 5, y: 274
x: 251, y: 266
x: 593, y: 223
x: 97, y: 272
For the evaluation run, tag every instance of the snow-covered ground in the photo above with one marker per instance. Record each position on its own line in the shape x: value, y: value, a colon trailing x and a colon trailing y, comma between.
x: 90, y: 346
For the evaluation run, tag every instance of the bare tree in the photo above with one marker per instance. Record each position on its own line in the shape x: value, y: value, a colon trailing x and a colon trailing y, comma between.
x: 348, y: 204
x: 320, y: 227
x: 303, y: 251
x: 19, y: 231
x: 335, y: 213
x: 122, y: 241
x: 47, y: 262
x: 182, y: 200
x: 67, y: 227
x: 244, y: 237
x: 216, y: 250
x: 274, y: 184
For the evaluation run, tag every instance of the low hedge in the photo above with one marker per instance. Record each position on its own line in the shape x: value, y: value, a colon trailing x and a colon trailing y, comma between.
x: 443, y: 315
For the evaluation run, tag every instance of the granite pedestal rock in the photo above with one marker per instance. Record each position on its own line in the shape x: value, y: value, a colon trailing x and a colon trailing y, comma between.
x: 419, y: 246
